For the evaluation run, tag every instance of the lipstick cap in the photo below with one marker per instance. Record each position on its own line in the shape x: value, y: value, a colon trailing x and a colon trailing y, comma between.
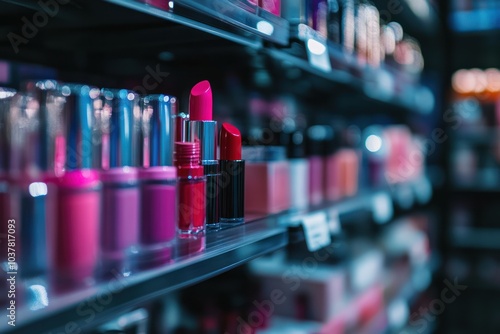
x: 6, y: 95
x: 158, y: 130
x: 204, y: 132
x: 72, y: 123
x: 119, y: 118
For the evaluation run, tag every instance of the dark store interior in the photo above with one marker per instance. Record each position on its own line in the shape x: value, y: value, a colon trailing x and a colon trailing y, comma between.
x: 249, y: 166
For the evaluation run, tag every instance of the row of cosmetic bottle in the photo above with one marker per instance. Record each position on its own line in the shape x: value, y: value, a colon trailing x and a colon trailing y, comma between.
x: 318, y: 165
x: 356, y: 25
x: 104, y: 182
x: 313, y: 167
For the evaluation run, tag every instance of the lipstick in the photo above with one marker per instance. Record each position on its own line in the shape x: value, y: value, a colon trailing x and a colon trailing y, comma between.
x: 119, y: 114
x: 203, y: 129
x: 232, y: 178
x: 191, y: 192
x: 74, y: 234
x: 158, y: 182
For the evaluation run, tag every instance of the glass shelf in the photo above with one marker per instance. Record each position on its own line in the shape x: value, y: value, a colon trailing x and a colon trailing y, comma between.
x: 224, y: 250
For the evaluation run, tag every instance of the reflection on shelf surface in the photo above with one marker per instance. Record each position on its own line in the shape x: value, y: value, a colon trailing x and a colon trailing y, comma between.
x: 224, y: 249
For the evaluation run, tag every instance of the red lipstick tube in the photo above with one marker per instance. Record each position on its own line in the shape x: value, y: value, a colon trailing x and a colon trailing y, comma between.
x: 203, y: 129
x: 191, y: 189
x: 232, y: 178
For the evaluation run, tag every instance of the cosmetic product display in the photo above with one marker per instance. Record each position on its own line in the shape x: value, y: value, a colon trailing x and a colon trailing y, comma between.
x: 361, y: 30
x: 319, y: 296
x: 299, y: 171
x: 331, y: 169
x: 267, y: 174
x: 272, y: 6
x: 318, y: 137
x: 191, y: 195
x: 157, y: 183
x: 120, y: 118
x: 375, y: 151
x: 347, y: 26
x: 75, y: 231
x: 334, y: 20
x: 317, y: 15
x: 203, y: 129
x: 232, y: 181
x: 341, y: 170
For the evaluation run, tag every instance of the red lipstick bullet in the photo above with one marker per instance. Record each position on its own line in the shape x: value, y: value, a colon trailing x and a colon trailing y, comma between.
x: 203, y: 129
x: 232, y: 179
x: 200, y: 102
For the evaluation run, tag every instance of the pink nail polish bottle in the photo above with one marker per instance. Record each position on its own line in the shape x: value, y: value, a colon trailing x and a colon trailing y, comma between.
x: 119, y: 115
x: 74, y: 234
x: 157, y: 184
x: 318, y: 137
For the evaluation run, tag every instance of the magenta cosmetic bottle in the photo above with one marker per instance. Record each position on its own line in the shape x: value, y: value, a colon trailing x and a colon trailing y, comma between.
x: 267, y: 179
x: 74, y: 231
x: 157, y: 184
x: 120, y: 117
x: 299, y: 171
x: 318, y: 137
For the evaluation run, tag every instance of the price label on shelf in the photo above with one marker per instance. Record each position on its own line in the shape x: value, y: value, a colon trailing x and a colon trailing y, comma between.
x: 383, y: 209
x: 334, y: 221
x: 318, y: 55
x: 317, y: 231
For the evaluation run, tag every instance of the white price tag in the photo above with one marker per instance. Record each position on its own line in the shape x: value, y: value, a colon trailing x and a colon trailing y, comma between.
x: 383, y: 209
x: 318, y: 55
x: 334, y: 222
x: 316, y: 231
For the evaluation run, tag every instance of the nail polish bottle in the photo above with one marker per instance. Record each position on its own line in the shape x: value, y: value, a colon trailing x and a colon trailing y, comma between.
x: 334, y: 20
x: 375, y: 152
x: 191, y: 212
x: 318, y: 137
x: 317, y: 14
x: 267, y: 177
x: 347, y: 25
x: 299, y: 170
x: 75, y: 231
x: 120, y: 115
x: 158, y: 185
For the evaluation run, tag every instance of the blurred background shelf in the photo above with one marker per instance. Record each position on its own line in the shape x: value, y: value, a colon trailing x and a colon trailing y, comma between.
x: 126, y: 36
